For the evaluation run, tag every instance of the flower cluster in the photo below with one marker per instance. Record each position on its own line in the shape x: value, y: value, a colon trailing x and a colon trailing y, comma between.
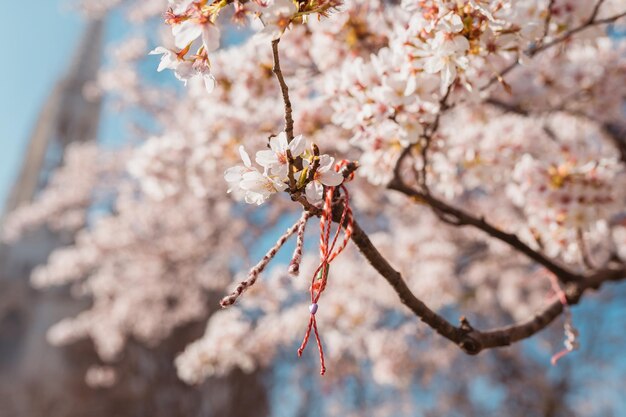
x: 196, y: 30
x: 280, y: 171
x: 373, y: 101
x: 570, y: 196
x: 562, y: 173
x: 190, y: 21
x: 388, y: 100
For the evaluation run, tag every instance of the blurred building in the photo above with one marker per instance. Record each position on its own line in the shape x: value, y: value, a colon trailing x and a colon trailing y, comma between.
x: 37, y: 379
x: 27, y: 363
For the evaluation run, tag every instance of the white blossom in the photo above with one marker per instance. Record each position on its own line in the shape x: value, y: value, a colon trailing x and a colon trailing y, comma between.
x: 190, y: 30
x: 275, y: 159
x: 325, y: 175
x: 276, y: 16
x: 444, y: 54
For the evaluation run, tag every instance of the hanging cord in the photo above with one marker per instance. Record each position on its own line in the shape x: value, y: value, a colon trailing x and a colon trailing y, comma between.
x: 294, y: 265
x: 327, y: 254
x: 571, y: 334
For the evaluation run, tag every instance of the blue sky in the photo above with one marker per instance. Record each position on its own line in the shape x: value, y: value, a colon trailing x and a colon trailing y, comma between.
x: 35, y: 54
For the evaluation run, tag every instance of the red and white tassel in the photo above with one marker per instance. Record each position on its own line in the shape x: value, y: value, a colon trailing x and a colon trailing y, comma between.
x: 328, y: 252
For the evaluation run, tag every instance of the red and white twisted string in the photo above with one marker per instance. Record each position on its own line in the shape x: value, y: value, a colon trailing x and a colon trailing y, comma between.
x: 328, y: 252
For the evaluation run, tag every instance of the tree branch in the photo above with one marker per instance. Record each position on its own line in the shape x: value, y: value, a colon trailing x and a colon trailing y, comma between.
x: 546, y: 23
x: 467, y: 338
x: 432, y: 128
x: 428, y: 316
x: 426, y: 139
x: 461, y: 218
x: 588, y: 24
x: 428, y: 136
x: 470, y: 340
x: 574, y: 292
x: 284, y: 90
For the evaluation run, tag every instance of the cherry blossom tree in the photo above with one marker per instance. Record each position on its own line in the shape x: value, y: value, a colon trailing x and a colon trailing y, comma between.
x: 471, y: 152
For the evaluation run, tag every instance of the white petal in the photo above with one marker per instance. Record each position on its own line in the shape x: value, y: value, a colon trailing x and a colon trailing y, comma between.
x: 447, y: 76
x: 269, y: 32
x: 209, y: 82
x: 275, y: 144
x: 180, y: 6
x: 326, y: 163
x: 280, y: 170
x: 314, y: 192
x: 255, y: 198
x: 455, y: 22
x: 234, y: 174
x: 279, y: 185
x: 185, y: 33
x: 331, y: 178
x: 411, y: 85
x: 433, y: 65
x: 283, y: 144
x: 462, y: 62
x: 297, y: 146
x: 210, y: 37
x: 184, y: 71
x: 284, y: 8
x: 165, y: 63
x: 168, y: 60
x: 158, y: 51
x: 266, y: 158
x: 253, y: 181
x: 245, y: 157
x: 461, y: 44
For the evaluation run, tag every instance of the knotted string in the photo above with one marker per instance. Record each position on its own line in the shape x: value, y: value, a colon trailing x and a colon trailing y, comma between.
x: 571, y: 334
x: 327, y: 254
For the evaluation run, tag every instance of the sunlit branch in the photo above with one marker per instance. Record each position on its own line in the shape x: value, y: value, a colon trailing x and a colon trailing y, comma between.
x: 470, y: 340
x: 284, y: 90
x: 459, y: 217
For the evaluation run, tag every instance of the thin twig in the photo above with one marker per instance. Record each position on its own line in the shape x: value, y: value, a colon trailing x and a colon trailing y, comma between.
x: 284, y: 90
x: 534, y: 50
x: 574, y: 31
x: 290, y: 165
x: 595, y: 11
x: 546, y: 23
x: 583, y: 250
x: 426, y: 139
x: 429, y: 132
